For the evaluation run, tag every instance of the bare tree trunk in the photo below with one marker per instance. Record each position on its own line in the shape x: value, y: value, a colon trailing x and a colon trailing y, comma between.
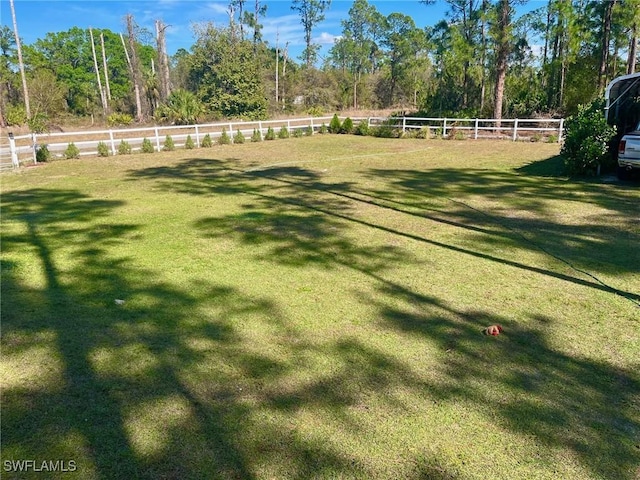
x: 106, y: 69
x: 27, y: 108
x: 633, y: 50
x: 606, y: 36
x: 502, y: 49
x: 135, y: 70
x: 163, y: 61
x: 103, y: 99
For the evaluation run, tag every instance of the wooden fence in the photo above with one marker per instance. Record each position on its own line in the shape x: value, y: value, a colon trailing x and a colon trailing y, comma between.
x: 17, y: 150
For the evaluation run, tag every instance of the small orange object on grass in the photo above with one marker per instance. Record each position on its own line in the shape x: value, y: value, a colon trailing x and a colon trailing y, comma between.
x: 493, y: 330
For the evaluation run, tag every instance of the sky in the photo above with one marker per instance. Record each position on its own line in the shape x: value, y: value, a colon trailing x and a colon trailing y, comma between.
x: 36, y: 18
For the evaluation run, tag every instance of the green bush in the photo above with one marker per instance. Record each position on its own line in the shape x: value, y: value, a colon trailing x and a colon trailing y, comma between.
x: 423, y: 133
x: 362, y: 128
x: 16, y: 115
x: 283, y: 133
x: 347, y: 126
x: 39, y: 123
x: 308, y: 131
x: 335, y: 126
x: 298, y: 133
x: 189, y: 144
x: 315, y: 111
x: 206, y: 141
x: 103, y: 150
x: 147, y: 146
x: 168, y: 146
x: 323, y: 129
x: 119, y: 119
x: 238, y: 137
x: 587, y: 139
x: 72, y: 151
x: 43, y: 154
x: 271, y: 135
x: 256, y: 136
x: 384, y: 131
x: 224, y: 138
x: 124, y: 148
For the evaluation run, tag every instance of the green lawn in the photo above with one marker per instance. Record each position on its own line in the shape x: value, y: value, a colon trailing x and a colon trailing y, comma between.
x: 313, y: 308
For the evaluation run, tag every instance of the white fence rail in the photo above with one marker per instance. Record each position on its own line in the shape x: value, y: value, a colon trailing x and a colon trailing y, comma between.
x: 23, y: 148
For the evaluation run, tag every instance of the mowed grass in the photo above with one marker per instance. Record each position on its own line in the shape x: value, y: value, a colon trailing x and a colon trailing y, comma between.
x: 313, y: 308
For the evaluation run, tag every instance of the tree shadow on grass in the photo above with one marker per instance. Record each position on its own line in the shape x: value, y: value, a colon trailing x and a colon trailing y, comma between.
x: 522, y: 382
x: 162, y: 385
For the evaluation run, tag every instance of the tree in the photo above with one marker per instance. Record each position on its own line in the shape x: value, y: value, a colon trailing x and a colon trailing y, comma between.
x: 182, y: 108
x: 311, y: 13
x: 502, y: 39
x: 224, y: 73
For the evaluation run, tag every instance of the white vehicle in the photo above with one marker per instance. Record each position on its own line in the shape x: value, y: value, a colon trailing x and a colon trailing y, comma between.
x: 629, y: 153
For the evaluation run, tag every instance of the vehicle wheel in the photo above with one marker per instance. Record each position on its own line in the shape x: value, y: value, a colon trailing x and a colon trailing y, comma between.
x: 623, y: 173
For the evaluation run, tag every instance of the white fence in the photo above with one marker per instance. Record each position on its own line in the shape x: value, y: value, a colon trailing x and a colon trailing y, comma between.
x: 22, y: 149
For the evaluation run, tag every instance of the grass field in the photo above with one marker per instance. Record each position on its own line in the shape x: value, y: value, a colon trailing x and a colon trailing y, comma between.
x: 313, y: 308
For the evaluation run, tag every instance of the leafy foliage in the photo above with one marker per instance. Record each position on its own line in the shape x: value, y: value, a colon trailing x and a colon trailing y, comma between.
x: 347, y: 126
x: 256, y: 137
x: 147, y: 146
x: 587, y: 140
x: 335, y: 125
x: 168, y: 145
x: 238, y: 137
x: 103, y: 150
x: 270, y: 135
x: 283, y: 133
x: 43, y: 154
x: 224, y: 138
x: 362, y: 128
x: 124, y: 148
x: 119, y: 120
x: 182, y: 108
x: 189, y: 143
x: 72, y: 151
x: 206, y: 141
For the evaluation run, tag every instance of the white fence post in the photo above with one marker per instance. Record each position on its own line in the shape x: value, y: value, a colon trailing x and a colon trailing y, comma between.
x: 197, y: 137
x: 260, y: 128
x: 515, y: 130
x: 34, y: 142
x: 231, y: 132
x: 404, y: 125
x: 14, y: 153
x: 444, y: 127
x: 113, y: 143
x: 311, y: 122
x: 157, y: 138
x: 475, y: 133
x: 560, y: 130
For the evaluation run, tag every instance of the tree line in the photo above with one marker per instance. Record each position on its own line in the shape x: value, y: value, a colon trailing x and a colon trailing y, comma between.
x: 481, y: 60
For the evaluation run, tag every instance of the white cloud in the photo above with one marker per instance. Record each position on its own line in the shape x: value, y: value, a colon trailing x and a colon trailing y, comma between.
x: 326, y: 38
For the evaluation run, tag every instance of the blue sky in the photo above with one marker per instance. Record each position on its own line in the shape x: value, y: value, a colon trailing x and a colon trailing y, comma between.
x: 36, y: 18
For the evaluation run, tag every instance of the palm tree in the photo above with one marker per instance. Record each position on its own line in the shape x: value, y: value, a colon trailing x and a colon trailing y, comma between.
x: 182, y: 108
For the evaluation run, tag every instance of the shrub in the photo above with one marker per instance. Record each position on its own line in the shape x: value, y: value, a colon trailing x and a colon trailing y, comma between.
x: 124, y: 148
x: 256, y: 136
x: 423, y: 133
x: 315, y: 111
x: 168, y: 146
x: 347, y: 126
x: 103, y: 150
x: 308, y: 131
x: 206, y: 141
x: 335, y: 126
x: 587, y: 139
x: 552, y: 139
x: 283, y: 133
x: 298, y: 133
x: 385, y: 131
x: 147, y: 147
x: 43, y: 154
x: 323, y: 129
x: 362, y: 128
x: 119, y: 119
x: 72, y: 151
x: 189, y: 144
x: 238, y: 137
x: 224, y: 138
x: 271, y: 135
x: 16, y: 115
x: 39, y: 123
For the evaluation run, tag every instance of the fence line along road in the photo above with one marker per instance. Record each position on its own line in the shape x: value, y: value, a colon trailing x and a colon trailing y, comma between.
x: 22, y: 148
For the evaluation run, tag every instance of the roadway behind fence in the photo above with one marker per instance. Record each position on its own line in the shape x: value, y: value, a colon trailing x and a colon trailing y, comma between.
x: 17, y: 150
